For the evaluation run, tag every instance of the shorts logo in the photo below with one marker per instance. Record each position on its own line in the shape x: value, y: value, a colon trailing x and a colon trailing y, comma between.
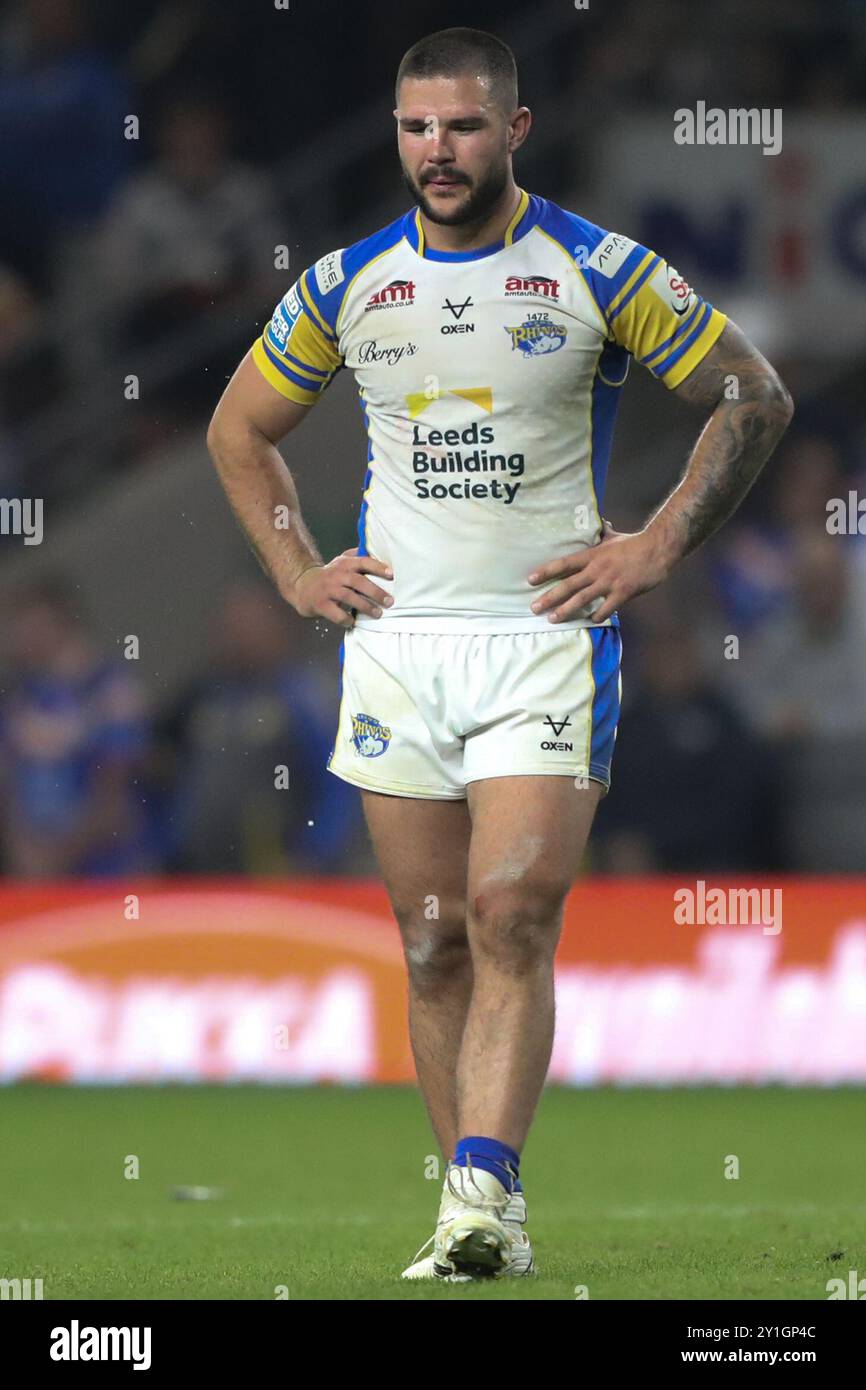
x: 370, y: 739
x: 396, y: 293
x: 557, y: 745
x: 286, y: 315
x: 329, y: 271
x: 537, y: 336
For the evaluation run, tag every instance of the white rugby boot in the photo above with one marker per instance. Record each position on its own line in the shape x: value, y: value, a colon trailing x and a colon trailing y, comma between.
x: 515, y: 1254
x: 520, y: 1260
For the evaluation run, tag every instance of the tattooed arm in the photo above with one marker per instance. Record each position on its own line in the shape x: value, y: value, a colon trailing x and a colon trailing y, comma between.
x: 750, y: 410
x: 736, y: 441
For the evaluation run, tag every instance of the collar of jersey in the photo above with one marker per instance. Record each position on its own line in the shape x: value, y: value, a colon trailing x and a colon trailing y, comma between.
x: 524, y: 219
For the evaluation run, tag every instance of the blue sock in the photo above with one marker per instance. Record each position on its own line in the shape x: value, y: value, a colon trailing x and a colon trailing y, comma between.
x: 491, y: 1155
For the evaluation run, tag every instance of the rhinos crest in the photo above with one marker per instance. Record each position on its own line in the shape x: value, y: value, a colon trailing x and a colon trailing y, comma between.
x: 369, y: 738
x: 535, y: 337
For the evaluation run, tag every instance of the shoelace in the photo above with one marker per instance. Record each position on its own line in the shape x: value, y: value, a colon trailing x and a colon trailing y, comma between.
x: 481, y: 1199
x: 416, y: 1257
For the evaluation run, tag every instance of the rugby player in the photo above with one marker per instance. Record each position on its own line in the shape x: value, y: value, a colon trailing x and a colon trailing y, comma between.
x: 489, y: 333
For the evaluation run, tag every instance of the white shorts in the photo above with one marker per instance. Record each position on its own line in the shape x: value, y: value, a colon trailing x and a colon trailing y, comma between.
x: 423, y: 714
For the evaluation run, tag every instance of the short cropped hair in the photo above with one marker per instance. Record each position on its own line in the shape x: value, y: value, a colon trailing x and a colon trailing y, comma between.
x: 456, y: 52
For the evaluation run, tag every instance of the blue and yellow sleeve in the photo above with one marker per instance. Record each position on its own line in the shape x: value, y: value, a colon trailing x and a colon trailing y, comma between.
x: 298, y: 351
x: 650, y: 310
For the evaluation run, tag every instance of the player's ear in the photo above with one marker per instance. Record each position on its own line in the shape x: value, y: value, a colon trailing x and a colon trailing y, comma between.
x: 518, y: 128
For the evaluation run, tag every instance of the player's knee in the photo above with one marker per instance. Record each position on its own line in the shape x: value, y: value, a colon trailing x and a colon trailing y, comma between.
x: 435, y: 950
x: 434, y: 960
x: 516, y: 924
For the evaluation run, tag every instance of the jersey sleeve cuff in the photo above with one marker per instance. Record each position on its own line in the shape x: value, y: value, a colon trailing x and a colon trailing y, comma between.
x: 697, y: 352
x: 281, y: 383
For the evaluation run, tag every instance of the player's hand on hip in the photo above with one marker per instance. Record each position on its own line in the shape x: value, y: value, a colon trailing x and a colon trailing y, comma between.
x: 340, y: 589
x: 621, y: 566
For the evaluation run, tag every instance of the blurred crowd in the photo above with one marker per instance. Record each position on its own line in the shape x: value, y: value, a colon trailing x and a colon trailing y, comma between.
x: 230, y: 779
x: 129, y: 221
x: 742, y: 743
x: 143, y: 194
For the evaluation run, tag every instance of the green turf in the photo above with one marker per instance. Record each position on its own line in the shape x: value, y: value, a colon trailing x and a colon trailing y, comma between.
x: 324, y: 1192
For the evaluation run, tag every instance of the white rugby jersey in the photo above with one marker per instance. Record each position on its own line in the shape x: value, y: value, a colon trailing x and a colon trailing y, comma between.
x: 489, y: 382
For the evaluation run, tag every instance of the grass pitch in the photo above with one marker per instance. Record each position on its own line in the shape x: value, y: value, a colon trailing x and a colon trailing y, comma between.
x: 324, y: 1193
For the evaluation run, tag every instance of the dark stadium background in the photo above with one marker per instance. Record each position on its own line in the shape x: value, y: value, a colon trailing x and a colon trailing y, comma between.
x: 134, y: 273
x: 296, y: 107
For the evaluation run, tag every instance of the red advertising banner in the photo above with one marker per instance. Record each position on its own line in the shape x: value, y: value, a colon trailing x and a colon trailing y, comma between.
x: 658, y: 982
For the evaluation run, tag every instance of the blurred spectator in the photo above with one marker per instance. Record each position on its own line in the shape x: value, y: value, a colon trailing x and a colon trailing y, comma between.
x: 30, y: 375
x: 196, y: 230
x: 751, y: 563
x: 193, y: 233
x: 254, y: 713
x: 62, y: 106
x: 694, y: 789
x: 803, y: 684
x: 72, y: 738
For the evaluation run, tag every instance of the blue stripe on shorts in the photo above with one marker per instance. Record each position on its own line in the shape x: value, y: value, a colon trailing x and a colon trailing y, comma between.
x: 606, y: 657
